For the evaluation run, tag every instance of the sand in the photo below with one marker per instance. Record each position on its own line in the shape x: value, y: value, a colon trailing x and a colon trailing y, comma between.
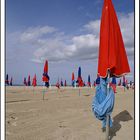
x: 64, y: 114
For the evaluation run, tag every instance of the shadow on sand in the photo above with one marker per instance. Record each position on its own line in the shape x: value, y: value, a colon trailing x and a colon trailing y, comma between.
x: 122, y: 116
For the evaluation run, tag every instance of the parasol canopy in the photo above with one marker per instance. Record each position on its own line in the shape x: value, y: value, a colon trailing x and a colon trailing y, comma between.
x: 25, y: 83
x: 45, y: 77
x: 34, y: 82
x: 7, y: 80
x: 11, y: 81
x: 89, y: 83
x: 61, y: 82
x: 65, y: 83
x: 73, y: 78
x: 112, y: 54
x: 79, y: 79
x: 29, y: 82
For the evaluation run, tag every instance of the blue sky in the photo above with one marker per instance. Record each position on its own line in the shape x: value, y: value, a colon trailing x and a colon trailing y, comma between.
x: 63, y: 31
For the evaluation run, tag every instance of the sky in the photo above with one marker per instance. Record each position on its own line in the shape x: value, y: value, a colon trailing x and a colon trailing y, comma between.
x: 65, y: 32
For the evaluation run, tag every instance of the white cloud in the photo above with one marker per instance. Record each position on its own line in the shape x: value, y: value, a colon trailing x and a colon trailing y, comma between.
x: 126, y: 22
x: 93, y: 26
x: 47, y: 42
x: 33, y: 33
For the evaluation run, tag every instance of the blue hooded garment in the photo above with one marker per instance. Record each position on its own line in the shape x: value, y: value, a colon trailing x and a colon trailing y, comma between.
x: 103, y: 103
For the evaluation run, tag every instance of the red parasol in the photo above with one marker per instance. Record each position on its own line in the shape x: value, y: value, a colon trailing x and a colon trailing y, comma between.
x: 112, y: 55
x: 65, y: 83
x: 46, y: 67
x: 73, y: 76
x: 112, y: 59
x: 45, y: 77
x: 34, y: 81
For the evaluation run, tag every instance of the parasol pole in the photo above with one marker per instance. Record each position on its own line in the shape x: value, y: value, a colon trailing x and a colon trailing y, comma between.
x: 33, y: 89
x: 107, y: 117
x: 43, y: 92
x: 79, y: 90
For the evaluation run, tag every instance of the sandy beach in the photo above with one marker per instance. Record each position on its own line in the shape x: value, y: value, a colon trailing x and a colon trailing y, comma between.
x: 64, y: 114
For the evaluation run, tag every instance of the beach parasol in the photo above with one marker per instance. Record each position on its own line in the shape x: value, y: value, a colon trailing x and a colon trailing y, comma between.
x: 45, y: 77
x: 65, y: 83
x: 7, y: 80
x: 112, y: 59
x: 79, y: 80
x: 61, y: 82
x: 34, y: 81
x: 25, y: 83
x: 73, y: 79
x: 11, y: 81
x: 94, y: 84
x: 89, y: 83
x: 29, y: 82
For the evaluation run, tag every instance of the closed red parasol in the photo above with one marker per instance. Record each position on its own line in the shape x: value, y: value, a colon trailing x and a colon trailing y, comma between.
x: 45, y: 77
x: 34, y: 82
x: 112, y: 55
x: 73, y: 76
x: 112, y: 59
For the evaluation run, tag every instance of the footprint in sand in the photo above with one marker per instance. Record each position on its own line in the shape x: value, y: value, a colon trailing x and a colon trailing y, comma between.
x: 14, y: 118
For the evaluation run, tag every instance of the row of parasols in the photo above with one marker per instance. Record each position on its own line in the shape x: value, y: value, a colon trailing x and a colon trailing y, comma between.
x: 79, y: 82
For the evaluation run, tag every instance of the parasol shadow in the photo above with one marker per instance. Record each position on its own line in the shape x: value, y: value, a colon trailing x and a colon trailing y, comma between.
x: 122, y: 116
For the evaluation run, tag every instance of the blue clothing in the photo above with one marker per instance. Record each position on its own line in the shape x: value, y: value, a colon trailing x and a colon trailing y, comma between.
x: 103, y: 103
